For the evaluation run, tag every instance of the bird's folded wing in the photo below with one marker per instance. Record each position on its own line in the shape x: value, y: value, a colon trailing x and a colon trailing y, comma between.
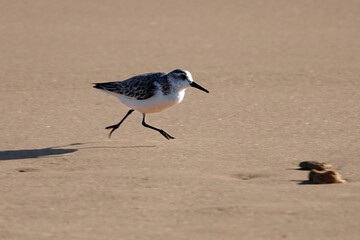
x: 139, y: 87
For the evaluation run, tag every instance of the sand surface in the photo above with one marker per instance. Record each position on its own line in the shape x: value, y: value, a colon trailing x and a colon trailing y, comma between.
x: 284, y: 87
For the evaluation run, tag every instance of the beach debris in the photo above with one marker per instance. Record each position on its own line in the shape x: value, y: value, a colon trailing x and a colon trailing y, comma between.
x: 309, y: 165
x: 325, y: 177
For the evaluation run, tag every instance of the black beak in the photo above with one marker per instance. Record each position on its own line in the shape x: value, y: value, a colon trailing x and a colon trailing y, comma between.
x: 195, y: 85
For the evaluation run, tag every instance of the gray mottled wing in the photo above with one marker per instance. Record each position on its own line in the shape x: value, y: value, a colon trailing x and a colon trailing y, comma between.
x: 139, y: 87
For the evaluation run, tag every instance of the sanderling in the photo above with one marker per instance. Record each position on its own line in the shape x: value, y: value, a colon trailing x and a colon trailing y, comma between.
x: 150, y: 93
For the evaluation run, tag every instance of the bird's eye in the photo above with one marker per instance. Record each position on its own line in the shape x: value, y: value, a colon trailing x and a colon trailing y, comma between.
x: 183, y: 76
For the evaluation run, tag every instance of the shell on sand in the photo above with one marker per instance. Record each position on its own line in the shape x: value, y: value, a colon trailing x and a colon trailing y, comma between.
x: 325, y: 177
x: 309, y: 165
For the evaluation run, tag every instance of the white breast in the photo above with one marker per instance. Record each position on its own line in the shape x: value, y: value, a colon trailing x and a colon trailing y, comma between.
x: 156, y: 103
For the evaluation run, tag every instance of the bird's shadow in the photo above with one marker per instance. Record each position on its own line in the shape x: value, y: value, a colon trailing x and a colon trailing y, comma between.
x: 49, y: 151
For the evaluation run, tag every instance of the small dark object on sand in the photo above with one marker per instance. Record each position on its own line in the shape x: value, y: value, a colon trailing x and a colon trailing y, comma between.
x: 309, y: 165
x: 325, y: 177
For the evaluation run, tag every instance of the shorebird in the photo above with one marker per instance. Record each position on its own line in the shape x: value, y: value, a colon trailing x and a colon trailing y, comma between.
x: 150, y: 93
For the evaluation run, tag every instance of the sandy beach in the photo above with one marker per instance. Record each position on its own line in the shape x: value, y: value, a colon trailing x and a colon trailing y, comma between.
x: 284, y: 87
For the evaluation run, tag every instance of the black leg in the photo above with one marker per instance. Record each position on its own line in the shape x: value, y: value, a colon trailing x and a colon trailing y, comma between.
x: 114, y: 127
x: 165, y: 134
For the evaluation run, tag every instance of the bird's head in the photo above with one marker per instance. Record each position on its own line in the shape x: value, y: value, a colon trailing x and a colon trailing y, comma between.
x: 183, y: 79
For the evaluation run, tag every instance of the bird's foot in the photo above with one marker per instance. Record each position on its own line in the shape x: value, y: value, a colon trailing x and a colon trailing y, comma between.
x: 113, y: 128
x: 166, y: 135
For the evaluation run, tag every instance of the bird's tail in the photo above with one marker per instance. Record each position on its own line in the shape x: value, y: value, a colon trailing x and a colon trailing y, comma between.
x: 98, y: 86
x: 108, y: 86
